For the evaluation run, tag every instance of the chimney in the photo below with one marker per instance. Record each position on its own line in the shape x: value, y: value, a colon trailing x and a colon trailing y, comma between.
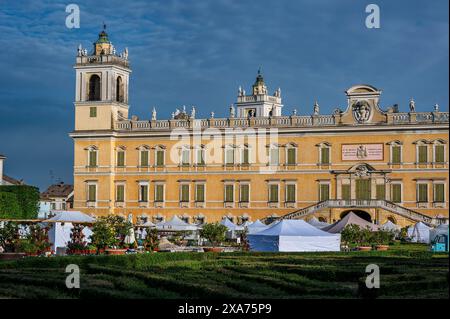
x: 2, y: 158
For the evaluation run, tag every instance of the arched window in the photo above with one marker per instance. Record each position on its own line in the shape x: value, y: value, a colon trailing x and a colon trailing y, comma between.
x: 94, y: 88
x: 119, y: 90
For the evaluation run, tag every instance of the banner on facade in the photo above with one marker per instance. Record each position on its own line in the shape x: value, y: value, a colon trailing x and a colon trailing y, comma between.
x: 357, y: 152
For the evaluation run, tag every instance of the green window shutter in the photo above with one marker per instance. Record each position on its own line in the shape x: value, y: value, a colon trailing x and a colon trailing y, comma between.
x: 93, y: 111
x: 185, y: 193
x: 291, y: 156
x: 245, y: 159
x: 92, y: 158
x: 324, y: 192
x: 363, y: 189
x: 439, y: 195
x: 200, y: 157
x: 121, y: 158
x: 200, y: 193
x: 396, y: 154
x: 290, y: 193
x: 160, y: 158
x: 439, y: 153
x: 325, y: 155
x: 144, y: 193
x: 144, y: 158
x: 396, y: 193
x: 245, y: 192
x: 120, y: 193
x: 229, y: 190
x: 185, y: 157
x: 273, y: 193
x: 423, y: 154
x: 345, y: 189
x: 422, y: 193
x: 159, y: 195
x: 92, y: 193
x: 381, y: 191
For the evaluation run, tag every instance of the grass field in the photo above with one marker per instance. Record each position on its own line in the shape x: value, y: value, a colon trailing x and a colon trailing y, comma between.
x: 407, y: 271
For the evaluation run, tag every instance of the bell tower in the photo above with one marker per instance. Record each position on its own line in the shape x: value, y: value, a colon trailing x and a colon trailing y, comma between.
x: 102, y: 82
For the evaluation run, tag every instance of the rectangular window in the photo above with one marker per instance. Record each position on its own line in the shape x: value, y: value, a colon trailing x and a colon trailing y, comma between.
x: 159, y: 158
x: 363, y: 189
x: 229, y: 156
x: 345, y: 189
x: 291, y: 156
x: 93, y: 111
x: 244, y: 193
x: 185, y: 157
x: 120, y: 158
x: 381, y: 191
x: 229, y: 193
x: 144, y: 158
x: 439, y: 195
x: 92, y: 158
x: 159, y: 193
x: 290, y: 193
x: 422, y: 193
x: 273, y: 193
x: 324, y: 192
x: 200, y: 193
x: 120, y: 193
x: 396, y: 154
x: 396, y: 195
x: 185, y: 193
x: 325, y: 155
x: 143, y: 193
x: 423, y: 154
x: 200, y: 157
x: 274, y: 156
x: 245, y: 156
x: 439, y: 154
x: 92, y: 193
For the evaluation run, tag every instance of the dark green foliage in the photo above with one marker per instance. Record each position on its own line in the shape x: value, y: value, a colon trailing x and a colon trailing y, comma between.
x: 407, y: 271
x: 214, y: 233
x: 110, y: 231
x: 27, y: 199
x: 151, y: 241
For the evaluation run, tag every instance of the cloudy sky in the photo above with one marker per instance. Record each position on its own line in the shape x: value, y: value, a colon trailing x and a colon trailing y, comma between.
x: 197, y: 52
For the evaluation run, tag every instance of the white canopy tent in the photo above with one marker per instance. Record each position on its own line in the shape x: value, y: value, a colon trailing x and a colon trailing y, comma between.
x: 419, y: 233
x: 317, y: 223
x: 390, y: 226
x: 257, y: 226
x: 175, y: 224
x: 294, y: 236
x: 59, y: 233
x: 439, y: 230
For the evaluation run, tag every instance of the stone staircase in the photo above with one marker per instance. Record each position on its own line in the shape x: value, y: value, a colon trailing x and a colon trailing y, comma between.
x: 356, y: 203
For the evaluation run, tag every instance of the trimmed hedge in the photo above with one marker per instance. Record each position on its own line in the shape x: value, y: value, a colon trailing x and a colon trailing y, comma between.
x: 9, y: 206
x: 25, y: 197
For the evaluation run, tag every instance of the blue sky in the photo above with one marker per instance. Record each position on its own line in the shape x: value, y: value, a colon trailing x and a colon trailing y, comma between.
x: 197, y: 52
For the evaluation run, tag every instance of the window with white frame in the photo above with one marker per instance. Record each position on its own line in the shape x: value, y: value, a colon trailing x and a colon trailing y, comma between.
x: 120, y: 192
x: 274, y: 155
x: 422, y: 192
x: 291, y: 196
x: 324, y: 190
x: 244, y: 193
x: 439, y: 192
x: 159, y: 192
x: 324, y: 153
x: 160, y: 153
x: 229, y: 193
x: 184, y: 193
x: 229, y: 154
x: 200, y: 192
x: 143, y: 192
x: 92, y: 160
x: 396, y: 152
x: 144, y: 159
x: 274, y: 192
x: 185, y: 156
x: 421, y: 152
x: 245, y: 154
x: 200, y: 155
x: 91, y: 192
x: 439, y: 151
x: 291, y: 154
x: 396, y: 192
x: 120, y: 156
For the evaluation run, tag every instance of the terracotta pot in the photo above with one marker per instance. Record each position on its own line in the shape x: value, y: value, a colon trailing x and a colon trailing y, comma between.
x: 11, y: 256
x: 212, y: 249
x: 364, y: 248
x: 115, y: 251
x: 382, y: 247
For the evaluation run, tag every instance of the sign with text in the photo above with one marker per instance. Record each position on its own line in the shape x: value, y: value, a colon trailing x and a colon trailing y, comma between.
x: 358, y: 152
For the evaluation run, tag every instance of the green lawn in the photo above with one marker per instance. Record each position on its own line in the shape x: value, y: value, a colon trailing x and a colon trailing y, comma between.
x: 407, y: 271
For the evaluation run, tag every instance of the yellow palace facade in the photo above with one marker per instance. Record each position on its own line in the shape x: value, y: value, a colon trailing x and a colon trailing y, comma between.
x: 256, y: 163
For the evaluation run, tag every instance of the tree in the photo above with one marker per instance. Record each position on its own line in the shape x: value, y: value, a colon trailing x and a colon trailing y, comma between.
x: 9, y: 235
x: 151, y: 241
x: 214, y: 233
x: 110, y: 231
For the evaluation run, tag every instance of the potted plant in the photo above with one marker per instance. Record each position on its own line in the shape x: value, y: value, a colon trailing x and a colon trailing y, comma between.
x: 365, y: 240
x: 215, y: 235
x: 9, y: 237
x: 109, y: 234
x: 382, y: 239
x: 151, y: 241
x: 77, y: 244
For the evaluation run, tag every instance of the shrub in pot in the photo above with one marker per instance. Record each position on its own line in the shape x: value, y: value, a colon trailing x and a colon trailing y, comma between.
x: 151, y: 241
x: 109, y: 232
x: 214, y: 233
